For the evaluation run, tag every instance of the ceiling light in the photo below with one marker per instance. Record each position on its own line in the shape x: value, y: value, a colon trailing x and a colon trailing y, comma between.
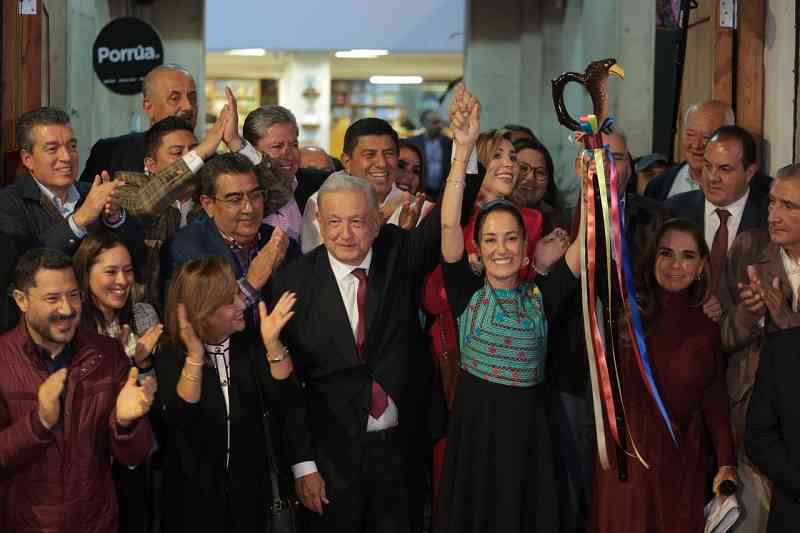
x: 247, y: 52
x: 360, y: 53
x: 395, y: 80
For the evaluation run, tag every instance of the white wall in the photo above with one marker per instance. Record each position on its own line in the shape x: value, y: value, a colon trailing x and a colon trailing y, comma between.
x: 514, y: 48
x: 779, y: 54
x: 303, y: 71
x: 96, y: 111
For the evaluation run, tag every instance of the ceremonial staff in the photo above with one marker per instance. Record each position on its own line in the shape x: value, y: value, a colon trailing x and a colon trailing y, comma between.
x: 606, y: 269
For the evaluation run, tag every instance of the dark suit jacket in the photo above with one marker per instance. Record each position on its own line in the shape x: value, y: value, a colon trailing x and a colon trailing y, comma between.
x: 196, y: 481
x: 772, y: 431
x: 691, y: 205
x: 659, y: 187
x: 29, y: 217
x: 447, y: 152
x: 327, y: 427
x: 8, y: 260
x: 113, y: 154
x: 309, y: 180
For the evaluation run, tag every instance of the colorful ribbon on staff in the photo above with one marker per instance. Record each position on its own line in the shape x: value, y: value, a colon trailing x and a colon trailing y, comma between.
x: 601, y: 351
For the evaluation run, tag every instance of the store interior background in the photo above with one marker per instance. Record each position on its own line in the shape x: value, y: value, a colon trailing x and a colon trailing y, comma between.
x: 506, y: 50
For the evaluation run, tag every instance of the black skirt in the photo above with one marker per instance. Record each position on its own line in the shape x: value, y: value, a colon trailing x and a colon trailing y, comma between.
x: 499, y: 469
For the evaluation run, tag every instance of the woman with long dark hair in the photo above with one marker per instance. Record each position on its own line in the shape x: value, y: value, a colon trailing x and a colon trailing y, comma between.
x: 536, y: 186
x: 683, y: 344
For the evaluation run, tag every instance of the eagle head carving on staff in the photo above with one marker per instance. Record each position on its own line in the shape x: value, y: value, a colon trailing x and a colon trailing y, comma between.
x: 594, y: 79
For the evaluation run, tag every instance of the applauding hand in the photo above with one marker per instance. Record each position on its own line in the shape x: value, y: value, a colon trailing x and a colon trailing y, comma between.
x: 134, y: 400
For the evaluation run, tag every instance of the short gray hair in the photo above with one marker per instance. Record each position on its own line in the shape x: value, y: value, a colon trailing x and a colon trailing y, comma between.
x: 43, y: 116
x: 261, y: 119
x: 147, y: 84
x: 343, y: 182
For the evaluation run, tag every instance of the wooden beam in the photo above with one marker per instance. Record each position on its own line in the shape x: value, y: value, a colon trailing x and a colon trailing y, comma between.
x: 722, y: 59
x: 750, y: 67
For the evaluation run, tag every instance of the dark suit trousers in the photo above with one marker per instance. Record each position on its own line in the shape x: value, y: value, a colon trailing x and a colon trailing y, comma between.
x: 377, y: 500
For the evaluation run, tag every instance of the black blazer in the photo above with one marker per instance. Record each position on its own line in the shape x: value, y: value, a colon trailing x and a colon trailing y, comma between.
x: 447, y: 153
x: 113, y: 154
x: 9, y: 314
x: 309, y: 180
x: 29, y: 217
x: 691, y: 205
x: 326, y: 427
x: 772, y: 429
x: 195, y: 478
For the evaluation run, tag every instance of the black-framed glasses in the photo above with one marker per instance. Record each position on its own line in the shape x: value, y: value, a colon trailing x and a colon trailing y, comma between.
x: 538, y: 172
x: 236, y: 200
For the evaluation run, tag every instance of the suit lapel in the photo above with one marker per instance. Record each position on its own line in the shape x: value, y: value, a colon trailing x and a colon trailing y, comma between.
x: 375, y: 290
x: 331, y: 299
x: 750, y: 216
x: 218, y: 243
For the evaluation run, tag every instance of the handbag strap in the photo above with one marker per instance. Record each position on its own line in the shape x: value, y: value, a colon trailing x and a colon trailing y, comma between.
x: 272, y: 462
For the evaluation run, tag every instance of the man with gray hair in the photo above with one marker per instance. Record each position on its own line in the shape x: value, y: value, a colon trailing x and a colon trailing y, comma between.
x: 167, y: 90
x: 273, y: 130
x: 357, y: 344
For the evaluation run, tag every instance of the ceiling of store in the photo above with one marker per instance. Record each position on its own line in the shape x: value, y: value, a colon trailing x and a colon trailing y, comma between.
x: 409, y: 26
x: 272, y: 65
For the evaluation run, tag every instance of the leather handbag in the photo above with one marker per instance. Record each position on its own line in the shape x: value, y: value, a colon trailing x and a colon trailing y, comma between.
x: 281, y: 510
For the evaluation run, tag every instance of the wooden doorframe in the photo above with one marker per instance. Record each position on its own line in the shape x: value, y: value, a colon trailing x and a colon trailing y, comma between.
x: 21, y: 77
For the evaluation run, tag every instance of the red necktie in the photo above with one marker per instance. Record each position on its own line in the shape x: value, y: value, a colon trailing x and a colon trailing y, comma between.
x: 719, y: 248
x: 380, y: 401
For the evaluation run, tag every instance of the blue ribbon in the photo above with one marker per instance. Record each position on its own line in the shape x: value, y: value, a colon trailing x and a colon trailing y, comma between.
x: 638, y: 329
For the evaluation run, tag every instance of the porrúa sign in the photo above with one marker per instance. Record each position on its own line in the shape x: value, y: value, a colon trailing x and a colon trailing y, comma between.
x: 125, y: 50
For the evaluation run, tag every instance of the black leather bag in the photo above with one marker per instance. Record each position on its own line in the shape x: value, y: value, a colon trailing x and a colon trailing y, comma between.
x: 281, y: 510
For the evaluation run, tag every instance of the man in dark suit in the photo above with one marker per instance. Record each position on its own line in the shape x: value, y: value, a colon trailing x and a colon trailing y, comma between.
x: 701, y: 120
x: 45, y: 207
x: 233, y: 201
x: 167, y: 90
x: 436, y: 149
x: 772, y: 430
x: 357, y: 344
x: 727, y: 205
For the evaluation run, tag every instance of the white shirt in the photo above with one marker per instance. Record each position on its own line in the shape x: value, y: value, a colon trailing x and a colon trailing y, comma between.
x: 348, y: 288
x: 683, y: 182
x: 220, y: 358
x: 310, y: 237
x: 792, y: 268
x: 736, y: 209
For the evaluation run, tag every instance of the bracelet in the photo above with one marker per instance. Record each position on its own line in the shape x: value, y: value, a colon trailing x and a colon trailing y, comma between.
x: 196, y: 379
x: 190, y: 362
x: 459, y: 160
x: 278, y: 359
x: 541, y: 273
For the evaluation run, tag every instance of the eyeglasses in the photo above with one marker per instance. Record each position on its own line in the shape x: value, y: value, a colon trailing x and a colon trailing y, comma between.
x: 538, y: 172
x: 236, y: 200
x: 73, y: 297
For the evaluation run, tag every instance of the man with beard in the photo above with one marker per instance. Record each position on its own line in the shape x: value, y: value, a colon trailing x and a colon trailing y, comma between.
x: 167, y: 90
x: 760, y: 296
x: 69, y: 401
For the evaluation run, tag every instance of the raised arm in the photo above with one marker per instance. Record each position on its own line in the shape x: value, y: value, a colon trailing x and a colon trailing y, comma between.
x: 465, y: 113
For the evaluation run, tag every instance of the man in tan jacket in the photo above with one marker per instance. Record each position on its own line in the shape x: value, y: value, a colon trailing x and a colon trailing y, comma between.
x: 759, y: 293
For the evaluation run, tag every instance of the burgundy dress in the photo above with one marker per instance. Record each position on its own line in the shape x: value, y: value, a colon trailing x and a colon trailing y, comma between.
x: 684, y: 350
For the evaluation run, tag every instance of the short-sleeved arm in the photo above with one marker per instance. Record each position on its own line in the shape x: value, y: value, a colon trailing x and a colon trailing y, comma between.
x: 460, y: 283
x: 557, y: 288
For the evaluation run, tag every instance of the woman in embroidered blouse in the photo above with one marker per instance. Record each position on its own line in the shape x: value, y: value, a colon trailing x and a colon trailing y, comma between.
x: 498, y: 472
x: 214, y: 382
